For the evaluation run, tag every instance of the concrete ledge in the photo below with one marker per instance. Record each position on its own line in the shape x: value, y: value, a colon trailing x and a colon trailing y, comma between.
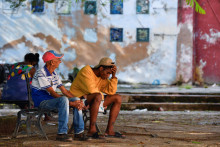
x: 170, y: 98
x: 172, y: 106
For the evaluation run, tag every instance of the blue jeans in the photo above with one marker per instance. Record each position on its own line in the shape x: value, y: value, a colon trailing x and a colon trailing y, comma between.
x: 62, y: 105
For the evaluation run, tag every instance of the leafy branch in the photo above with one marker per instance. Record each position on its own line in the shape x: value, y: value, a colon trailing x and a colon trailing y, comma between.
x: 17, y: 3
x: 198, y: 8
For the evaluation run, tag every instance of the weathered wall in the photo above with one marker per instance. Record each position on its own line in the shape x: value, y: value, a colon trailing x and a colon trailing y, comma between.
x: 84, y: 39
x: 184, y: 72
x: 207, y: 42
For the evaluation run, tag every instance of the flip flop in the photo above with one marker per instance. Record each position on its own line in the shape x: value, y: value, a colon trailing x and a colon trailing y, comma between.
x: 96, y: 136
x: 117, y: 135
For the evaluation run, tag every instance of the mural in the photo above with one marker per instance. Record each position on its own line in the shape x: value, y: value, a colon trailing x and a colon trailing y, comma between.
x: 37, y: 6
x: 90, y: 7
x: 63, y: 6
x: 116, y: 7
x: 116, y: 34
x: 142, y: 6
x: 142, y: 34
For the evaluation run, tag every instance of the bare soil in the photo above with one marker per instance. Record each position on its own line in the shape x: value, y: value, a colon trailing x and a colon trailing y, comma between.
x: 142, y: 128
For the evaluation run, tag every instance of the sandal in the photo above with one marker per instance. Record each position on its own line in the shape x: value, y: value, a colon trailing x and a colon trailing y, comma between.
x: 81, y: 137
x: 117, y: 135
x: 96, y: 136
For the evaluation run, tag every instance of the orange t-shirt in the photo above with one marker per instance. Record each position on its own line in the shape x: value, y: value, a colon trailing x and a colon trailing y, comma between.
x: 86, y: 82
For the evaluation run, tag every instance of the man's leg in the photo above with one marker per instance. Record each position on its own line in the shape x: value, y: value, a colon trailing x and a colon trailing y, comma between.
x: 94, y: 101
x: 62, y: 104
x: 115, y: 100
x: 78, y: 118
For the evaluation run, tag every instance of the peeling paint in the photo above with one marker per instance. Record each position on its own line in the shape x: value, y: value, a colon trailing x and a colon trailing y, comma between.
x: 90, y: 35
x: 198, y: 75
x: 184, y: 71
x: 207, y: 41
x: 84, y: 39
x: 212, y: 37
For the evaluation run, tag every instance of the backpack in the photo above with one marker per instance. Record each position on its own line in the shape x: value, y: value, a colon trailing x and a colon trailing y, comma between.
x: 2, y: 74
x: 4, y: 71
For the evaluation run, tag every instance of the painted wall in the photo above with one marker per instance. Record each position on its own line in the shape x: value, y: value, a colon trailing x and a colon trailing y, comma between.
x: 84, y: 39
x: 184, y: 72
x: 207, y: 42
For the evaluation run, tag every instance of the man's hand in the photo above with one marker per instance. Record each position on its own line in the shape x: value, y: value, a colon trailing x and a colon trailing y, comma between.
x: 114, y: 69
x: 77, y: 104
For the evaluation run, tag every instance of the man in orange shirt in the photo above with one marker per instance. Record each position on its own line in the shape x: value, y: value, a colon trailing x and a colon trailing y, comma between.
x: 91, y: 83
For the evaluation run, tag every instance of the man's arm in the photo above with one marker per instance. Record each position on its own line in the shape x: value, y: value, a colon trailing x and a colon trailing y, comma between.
x: 77, y: 104
x: 66, y: 92
x: 110, y: 86
x: 53, y: 93
x: 114, y: 69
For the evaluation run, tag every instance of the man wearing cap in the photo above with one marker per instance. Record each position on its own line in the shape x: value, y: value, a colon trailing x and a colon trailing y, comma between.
x: 44, y: 95
x: 91, y: 83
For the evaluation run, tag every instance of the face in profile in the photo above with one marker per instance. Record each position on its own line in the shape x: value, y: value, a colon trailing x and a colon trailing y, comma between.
x: 56, y: 62
x: 105, y: 72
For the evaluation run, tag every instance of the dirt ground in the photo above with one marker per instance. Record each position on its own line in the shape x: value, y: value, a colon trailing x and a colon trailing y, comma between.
x: 142, y: 128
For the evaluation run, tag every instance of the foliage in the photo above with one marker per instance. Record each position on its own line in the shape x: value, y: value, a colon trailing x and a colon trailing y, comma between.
x: 196, y: 142
x: 17, y: 3
x: 188, y: 87
x: 198, y: 8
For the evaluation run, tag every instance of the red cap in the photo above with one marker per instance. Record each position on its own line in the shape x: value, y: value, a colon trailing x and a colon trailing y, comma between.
x: 51, y: 54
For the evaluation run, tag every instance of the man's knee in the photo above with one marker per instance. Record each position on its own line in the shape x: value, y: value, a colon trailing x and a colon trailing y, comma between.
x: 117, y: 98
x: 64, y: 101
x: 97, y: 97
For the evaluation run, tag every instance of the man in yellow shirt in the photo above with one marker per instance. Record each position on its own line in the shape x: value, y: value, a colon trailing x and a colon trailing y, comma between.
x: 91, y: 83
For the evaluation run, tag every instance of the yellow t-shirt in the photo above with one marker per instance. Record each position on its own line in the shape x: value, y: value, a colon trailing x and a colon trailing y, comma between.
x: 86, y: 82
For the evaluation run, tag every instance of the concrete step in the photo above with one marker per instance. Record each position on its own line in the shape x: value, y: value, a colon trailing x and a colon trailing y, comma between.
x: 151, y: 106
x: 182, y: 98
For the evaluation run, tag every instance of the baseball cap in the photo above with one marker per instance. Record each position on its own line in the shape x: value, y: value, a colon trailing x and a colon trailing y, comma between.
x: 51, y: 54
x: 106, y: 62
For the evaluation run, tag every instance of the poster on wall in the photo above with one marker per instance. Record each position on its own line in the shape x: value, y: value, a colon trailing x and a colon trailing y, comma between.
x: 37, y: 6
x: 142, y: 6
x: 116, y: 7
x: 143, y: 34
x: 116, y: 34
x: 63, y: 6
x: 7, y: 6
x: 90, y: 7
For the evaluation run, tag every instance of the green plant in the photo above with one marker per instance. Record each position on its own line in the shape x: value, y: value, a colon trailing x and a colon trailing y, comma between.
x: 15, y: 4
x: 198, y: 8
x: 188, y: 87
x: 196, y: 142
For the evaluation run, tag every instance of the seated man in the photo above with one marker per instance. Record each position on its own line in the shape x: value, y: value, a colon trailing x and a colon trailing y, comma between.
x: 90, y: 83
x: 44, y: 84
